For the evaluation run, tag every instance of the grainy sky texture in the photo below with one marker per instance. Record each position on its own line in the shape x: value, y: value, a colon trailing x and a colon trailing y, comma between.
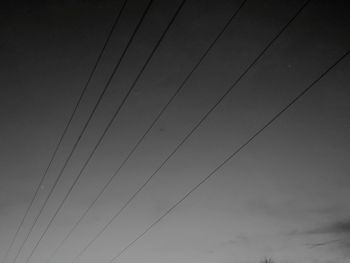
x: 284, y: 195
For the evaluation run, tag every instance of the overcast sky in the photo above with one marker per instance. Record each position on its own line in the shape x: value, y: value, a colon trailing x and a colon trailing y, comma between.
x: 284, y: 196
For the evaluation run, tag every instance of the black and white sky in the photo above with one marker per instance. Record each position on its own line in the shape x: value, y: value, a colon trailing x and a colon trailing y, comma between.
x: 284, y: 195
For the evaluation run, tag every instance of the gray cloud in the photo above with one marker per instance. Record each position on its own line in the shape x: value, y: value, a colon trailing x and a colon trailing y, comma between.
x: 340, y: 227
x: 238, y: 240
x: 339, y: 231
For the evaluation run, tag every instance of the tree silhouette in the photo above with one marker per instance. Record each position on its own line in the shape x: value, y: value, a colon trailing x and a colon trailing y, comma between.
x: 267, y: 260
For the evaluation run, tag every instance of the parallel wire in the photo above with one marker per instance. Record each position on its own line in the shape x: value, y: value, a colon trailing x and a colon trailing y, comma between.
x: 191, y: 132
x: 71, y: 153
x: 92, y: 73
x: 85, y: 126
x: 114, y: 116
x: 273, y: 119
x: 147, y: 131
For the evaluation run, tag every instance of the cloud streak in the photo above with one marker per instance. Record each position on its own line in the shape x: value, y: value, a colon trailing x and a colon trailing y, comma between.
x: 339, y: 230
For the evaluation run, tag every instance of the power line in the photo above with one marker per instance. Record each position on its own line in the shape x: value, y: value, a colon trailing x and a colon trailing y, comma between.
x: 111, y: 120
x: 192, y: 131
x: 273, y: 119
x: 83, y: 130
x: 65, y: 130
x: 147, y: 131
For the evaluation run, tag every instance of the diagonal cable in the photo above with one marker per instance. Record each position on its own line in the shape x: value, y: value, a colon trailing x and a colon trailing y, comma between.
x: 191, y: 132
x: 109, y: 123
x: 65, y: 130
x: 80, y: 135
x: 147, y: 131
x: 239, y: 149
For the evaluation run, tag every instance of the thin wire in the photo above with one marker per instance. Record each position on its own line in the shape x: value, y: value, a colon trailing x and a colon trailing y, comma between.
x: 147, y: 131
x: 92, y: 73
x: 300, y: 95
x: 108, y: 125
x: 85, y: 126
x: 191, y: 132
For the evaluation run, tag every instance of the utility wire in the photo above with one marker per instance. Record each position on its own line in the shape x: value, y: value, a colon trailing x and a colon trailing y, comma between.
x: 111, y: 120
x: 147, y: 131
x: 83, y: 130
x: 273, y: 119
x: 190, y: 133
x: 64, y: 131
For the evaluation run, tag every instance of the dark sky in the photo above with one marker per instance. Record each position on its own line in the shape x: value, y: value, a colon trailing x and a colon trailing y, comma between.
x: 285, y: 195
